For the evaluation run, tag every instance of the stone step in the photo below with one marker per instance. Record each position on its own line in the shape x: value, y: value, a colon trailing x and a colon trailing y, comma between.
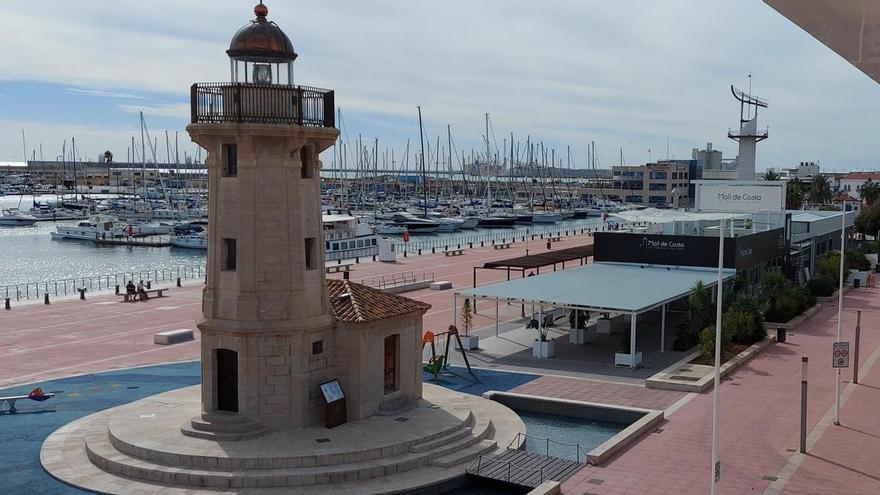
x: 202, y: 424
x: 439, y: 442
x: 103, y: 454
x: 221, y: 436
x: 483, y: 447
x: 188, y: 460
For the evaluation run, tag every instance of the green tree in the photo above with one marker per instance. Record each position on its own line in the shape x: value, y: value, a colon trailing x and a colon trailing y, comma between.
x: 868, y: 220
x: 784, y: 300
x: 820, y: 190
x: 770, y: 174
x: 707, y: 341
x: 869, y: 192
x: 794, y: 194
x: 828, y: 267
x: 467, y: 316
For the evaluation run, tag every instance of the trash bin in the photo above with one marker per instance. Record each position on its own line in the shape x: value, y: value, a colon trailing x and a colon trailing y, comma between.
x: 857, y: 282
x: 780, y: 334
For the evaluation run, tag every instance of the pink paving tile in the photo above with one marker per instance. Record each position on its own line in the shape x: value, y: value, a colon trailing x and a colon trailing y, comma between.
x: 759, y: 422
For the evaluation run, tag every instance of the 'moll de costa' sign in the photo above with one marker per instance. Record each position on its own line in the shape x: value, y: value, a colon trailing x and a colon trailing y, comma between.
x: 740, y: 196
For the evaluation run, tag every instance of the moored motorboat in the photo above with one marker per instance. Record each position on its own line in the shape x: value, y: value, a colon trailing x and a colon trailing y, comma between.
x: 13, y: 217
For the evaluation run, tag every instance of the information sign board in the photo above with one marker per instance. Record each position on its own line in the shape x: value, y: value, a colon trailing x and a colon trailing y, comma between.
x: 841, y: 355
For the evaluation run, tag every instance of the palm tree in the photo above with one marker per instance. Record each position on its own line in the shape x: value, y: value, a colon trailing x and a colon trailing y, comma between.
x: 794, y: 194
x: 108, y: 157
x: 870, y: 191
x: 820, y: 190
x: 771, y: 174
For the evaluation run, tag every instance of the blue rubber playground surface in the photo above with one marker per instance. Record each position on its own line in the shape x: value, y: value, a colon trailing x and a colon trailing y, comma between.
x: 22, y: 433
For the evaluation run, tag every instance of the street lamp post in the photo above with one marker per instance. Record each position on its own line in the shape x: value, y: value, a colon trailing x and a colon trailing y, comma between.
x: 715, y: 470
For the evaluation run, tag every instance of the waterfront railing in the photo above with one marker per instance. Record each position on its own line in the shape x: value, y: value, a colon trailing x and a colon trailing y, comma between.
x: 93, y: 283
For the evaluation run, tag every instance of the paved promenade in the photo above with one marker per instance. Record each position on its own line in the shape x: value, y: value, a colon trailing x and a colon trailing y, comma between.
x: 759, y: 424
x: 72, y: 337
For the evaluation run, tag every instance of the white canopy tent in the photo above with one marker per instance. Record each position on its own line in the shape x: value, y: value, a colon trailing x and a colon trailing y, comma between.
x: 605, y: 287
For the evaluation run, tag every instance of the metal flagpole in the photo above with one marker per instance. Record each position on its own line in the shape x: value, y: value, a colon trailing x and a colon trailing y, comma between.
x: 840, y: 309
x: 715, y: 470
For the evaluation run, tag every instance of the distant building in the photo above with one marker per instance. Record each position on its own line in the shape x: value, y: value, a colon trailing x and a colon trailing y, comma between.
x: 664, y: 183
x: 852, y: 182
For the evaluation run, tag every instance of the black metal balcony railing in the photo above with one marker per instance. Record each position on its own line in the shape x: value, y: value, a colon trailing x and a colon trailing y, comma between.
x: 262, y: 104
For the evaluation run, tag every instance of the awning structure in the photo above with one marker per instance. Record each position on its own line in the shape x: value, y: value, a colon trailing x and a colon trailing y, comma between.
x: 542, y: 259
x: 625, y: 288
x: 614, y: 287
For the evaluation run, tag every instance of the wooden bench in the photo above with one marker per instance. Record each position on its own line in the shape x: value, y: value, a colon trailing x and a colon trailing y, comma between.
x: 150, y: 293
x: 453, y: 252
x: 502, y: 245
x: 344, y: 267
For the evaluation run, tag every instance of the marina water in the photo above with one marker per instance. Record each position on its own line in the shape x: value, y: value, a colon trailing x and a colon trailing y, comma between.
x: 29, y: 255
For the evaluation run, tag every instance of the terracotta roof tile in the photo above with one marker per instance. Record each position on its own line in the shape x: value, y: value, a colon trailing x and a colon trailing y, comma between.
x: 874, y: 176
x: 356, y: 303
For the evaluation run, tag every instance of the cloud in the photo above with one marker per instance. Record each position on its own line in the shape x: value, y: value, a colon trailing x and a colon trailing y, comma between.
x: 104, y: 94
x: 624, y: 74
x: 173, y: 110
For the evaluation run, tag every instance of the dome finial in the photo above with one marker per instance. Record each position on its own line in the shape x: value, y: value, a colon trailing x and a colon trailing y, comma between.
x: 261, y: 10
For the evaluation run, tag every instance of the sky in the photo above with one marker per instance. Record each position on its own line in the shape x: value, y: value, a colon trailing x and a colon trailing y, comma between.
x: 638, y: 75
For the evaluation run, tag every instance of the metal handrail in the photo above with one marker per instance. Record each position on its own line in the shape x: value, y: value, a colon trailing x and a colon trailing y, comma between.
x: 70, y: 285
x: 547, y: 443
x: 510, y: 464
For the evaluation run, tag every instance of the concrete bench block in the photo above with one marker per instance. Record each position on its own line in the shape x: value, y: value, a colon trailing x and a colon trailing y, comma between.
x: 173, y: 336
x: 441, y: 285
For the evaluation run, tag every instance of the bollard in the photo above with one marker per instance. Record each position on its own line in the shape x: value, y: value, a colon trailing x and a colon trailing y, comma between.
x: 178, y: 282
x: 46, y: 298
x: 357, y: 259
x: 432, y: 250
x: 339, y: 261
x: 82, y: 294
x: 856, y: 347
x: 8, y: 307
x: 471, y: 245
x: 481, y: 243
x: 420, y: 251
x: 542, y: 236
x: 548, y: 244
x: 803, y: 448
x: 445, y: 247
x: 374, y: 257
x: 459, y: 246
x: 404, y: 252
x: 117, y: 289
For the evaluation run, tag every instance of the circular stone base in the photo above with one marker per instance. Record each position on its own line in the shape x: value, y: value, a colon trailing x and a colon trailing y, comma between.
x: 138, y: 448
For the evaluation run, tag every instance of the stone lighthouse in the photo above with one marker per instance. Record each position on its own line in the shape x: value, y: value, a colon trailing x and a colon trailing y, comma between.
x: 265, y: 307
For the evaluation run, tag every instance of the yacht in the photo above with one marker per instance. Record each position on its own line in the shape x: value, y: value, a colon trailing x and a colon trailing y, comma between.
x: 546, y: 217
x: 13, y: 217
x: 97, y: 226
x: 149, y: 228
x: 346, y: 236
x: 497, y: 221
x: 413, y: 224
x: 190, y: 241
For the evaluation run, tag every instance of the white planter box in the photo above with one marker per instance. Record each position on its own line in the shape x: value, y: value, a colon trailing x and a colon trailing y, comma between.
x: 621, y: 359
x: 577, y: 335
x: 603, y: 325
x: 470, y: 342
x: 542, y: 350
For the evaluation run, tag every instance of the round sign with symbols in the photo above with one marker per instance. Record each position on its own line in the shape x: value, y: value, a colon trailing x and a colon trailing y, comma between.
x: 840, y: 362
